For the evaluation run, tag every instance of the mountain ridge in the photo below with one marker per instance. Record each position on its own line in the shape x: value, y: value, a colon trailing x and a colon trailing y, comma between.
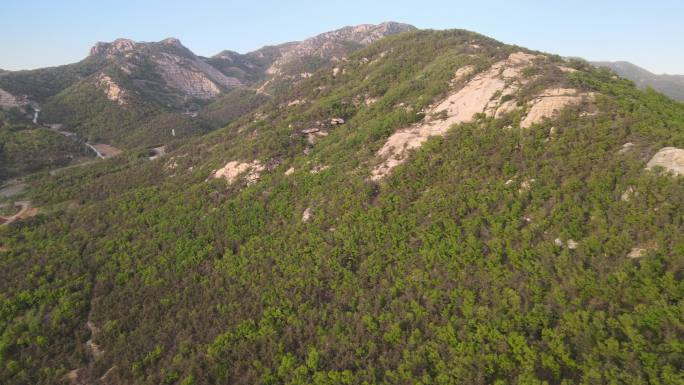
x: 143, y: 84
x: 528, y: 232
x: 669, y: 84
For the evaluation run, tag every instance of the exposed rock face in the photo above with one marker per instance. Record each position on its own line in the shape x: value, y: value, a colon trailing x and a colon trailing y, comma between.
x: 490, y: 92
x: 178, y: 67
x: 306, y: 215
x: 313, y: 134
x: 8, y: 100
x: 117, y: 47
x: 570, y: 244
x: 636, y: 253
x: 333, y: 44
x: 549, y: 103
x: 626, y: 147
x: 670, y: 158
x: 193, y: 77
x: 192, y: 83
x: 628, y: 194
x: 205, y: 78
x: 172, y: 41
x: 94, y: 349
x: 477, y: 96
x: 112, y: 90
x: 233, y: 170
x: 462, y: 73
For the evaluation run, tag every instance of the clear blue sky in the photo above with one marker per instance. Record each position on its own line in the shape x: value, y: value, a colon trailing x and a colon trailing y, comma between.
x: 38, y: 33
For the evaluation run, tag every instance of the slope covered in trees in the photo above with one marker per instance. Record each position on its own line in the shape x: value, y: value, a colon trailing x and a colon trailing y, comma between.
x: 25, y: 148
x: 670, y: 85
x: 138, y: 94
x: 492, y: 254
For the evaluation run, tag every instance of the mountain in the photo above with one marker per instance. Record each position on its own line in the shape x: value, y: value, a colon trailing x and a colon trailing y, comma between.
x: 176, y: 65
x: 332, y: 46
x: 296, y: 60
x: 124, y: 93
x: 670, y: 85
x: 251, y: 67
x: 437, y: 208
x: 166, y: 64
x: 140, y: 94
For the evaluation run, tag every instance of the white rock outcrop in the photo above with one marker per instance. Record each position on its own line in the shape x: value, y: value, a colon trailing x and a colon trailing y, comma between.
x: 462, y: 73
x: 636, y: 253
x: 112, y: 90
x: 306, y: 215
x: 549, y: 103
x: 234, y: 169
x: 670, y: 158
x: 334, y: 44
x: 478, y: 95
x: 193, y: 77
x: 313, y: 134
x: 491, y: 93
x: 627, y: 194
x: 117, y: 47
x: 626, y: 147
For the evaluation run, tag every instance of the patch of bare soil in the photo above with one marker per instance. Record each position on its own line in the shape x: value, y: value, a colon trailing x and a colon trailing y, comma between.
x: 25, y: 211
x: 106, y: 150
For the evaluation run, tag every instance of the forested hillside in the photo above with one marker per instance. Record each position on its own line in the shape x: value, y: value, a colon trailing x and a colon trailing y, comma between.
x: 137, y: 95
x: 25, y: 148
x: 440, y: 208
x: 670, y: 85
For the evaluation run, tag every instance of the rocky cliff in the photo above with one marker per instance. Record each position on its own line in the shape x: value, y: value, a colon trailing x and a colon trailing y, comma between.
x: 335, y: 45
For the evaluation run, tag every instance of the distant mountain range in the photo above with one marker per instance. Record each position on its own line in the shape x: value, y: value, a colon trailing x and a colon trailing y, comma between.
x: 134, y: 94
x: 670, y: 85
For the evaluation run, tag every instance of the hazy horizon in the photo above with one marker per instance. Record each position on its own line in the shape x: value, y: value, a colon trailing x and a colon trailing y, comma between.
x: 643, y: 34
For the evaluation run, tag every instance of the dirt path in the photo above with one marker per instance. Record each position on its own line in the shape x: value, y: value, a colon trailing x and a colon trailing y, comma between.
x: 25, y: 211
x: 58, y: 170
x: 93, y: 348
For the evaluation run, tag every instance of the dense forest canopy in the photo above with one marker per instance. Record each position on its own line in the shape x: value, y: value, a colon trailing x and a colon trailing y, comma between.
x: 493, y: 254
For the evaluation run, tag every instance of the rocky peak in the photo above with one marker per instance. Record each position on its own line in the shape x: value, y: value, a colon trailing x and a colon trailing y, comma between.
x: 177, y: 66
x: 172, y: 41
x: 366, y: 34
x: 116, y: 47
x: 227, y: 55
x: 332, y: 44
